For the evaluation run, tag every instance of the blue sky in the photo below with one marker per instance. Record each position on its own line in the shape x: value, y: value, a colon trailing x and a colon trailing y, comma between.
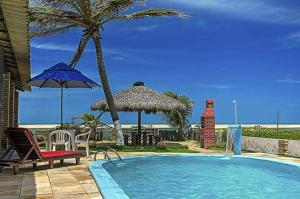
x: 246, y: 50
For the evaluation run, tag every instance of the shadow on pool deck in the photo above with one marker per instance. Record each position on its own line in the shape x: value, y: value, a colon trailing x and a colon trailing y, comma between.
x: 63, y: 181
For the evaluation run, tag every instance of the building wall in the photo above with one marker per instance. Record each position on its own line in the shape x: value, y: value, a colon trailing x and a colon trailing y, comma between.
x: 11, y: 104
x: 10, y: 100
x: 6, y: 99
x: 1, y: 96
x: 16, y: 108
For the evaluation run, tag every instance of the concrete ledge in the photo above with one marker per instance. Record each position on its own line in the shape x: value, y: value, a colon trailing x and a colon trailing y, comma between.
x: 272, y: 146
x: 262, y: 145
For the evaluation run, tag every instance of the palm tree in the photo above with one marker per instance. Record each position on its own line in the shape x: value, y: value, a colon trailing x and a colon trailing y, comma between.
x: 179, y: 119
x: 57, y: 16
x: 90, y: 121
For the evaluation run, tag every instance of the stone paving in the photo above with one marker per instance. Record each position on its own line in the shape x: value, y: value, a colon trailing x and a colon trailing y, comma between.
x: 68, y: 180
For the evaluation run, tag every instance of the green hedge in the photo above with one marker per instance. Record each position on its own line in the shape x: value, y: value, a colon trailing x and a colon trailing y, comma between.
x: 170, y: 149
x: 272, y: 133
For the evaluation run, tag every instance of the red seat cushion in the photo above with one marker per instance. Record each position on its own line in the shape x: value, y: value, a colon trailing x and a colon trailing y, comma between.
x: 57, y: 154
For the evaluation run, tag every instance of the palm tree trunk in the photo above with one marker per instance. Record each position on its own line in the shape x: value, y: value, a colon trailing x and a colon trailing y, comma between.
x: 106, y: 89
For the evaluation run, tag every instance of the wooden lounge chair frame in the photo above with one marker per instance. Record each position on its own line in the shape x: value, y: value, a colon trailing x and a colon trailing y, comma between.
x: 23, y: 142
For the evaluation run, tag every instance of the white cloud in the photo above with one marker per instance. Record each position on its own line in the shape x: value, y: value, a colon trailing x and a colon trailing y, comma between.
x: 288, y: 81
x: 119, y: 58
x: 71, y: 48
x: 255, y: 10
x: 291, y: 41
x: 217, y: 86
x: 201, y: 23
x: 295, y: 35
x: 53, y: 46
x: 147, y: 28
x: 114, y: 52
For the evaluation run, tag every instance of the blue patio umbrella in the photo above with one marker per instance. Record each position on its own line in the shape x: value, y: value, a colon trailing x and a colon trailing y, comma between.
x: 62, y: 76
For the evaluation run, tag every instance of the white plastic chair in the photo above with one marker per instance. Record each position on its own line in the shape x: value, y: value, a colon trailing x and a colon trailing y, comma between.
x: 43, y: 140
x: 82, y: 140
x: 40, y: 139
x: 62, y: 137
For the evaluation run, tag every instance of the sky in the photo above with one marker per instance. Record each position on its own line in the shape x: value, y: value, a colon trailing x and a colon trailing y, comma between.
x: 244, y: 50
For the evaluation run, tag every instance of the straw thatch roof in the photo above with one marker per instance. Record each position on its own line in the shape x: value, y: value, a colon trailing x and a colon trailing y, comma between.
x: 14, y: 40
x: 141, y: 98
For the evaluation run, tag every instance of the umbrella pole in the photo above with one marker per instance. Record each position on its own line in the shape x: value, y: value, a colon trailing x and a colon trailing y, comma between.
x: 61, y: 106
x: 139, y: 124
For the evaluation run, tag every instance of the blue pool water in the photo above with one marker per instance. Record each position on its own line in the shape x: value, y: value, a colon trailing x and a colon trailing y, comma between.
x: 197, y: 177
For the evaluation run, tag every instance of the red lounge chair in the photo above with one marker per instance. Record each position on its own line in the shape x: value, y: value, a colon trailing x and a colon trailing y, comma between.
x: 25, y: 145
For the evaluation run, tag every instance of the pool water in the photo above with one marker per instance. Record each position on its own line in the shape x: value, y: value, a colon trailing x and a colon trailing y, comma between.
x: 209, y: 177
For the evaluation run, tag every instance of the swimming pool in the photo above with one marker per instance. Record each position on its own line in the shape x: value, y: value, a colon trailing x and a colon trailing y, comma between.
x: 197, y: 176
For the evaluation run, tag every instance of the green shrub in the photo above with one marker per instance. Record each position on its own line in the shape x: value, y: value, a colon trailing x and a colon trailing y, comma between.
x: 272, y: 133
x: 219, y: 146
x: 172, y: 149
x: 161, y: 146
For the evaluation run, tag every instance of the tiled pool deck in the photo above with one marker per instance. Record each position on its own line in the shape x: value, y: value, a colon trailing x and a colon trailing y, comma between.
x: 68, y: 181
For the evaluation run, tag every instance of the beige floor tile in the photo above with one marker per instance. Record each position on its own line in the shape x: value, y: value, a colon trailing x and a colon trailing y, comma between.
x: 44, y: 190
x: 50, y: 196
x: 68, y: 196
x: 10, y: 190
x: 42, y: 179
x: 10, y: 182
x: 9, y: 177
x: 9, y: 197
x: 74, y: 189
x: 80, y: 173
x: 36, y: 172
x: 63, y: 181
x: 43, y: 185
x: 85, y: 180
x: 95, y: 196
x: 54, y: 171
x: 38, y: 190
x: 90, y: 188
x: 57, y: 175
x: 77, y: 167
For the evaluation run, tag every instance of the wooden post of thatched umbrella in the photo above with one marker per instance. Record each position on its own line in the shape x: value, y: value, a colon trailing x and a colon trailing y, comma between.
x: 140, y: 98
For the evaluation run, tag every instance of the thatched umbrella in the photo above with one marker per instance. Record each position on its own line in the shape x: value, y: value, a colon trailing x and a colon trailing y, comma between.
x: 140, y: 98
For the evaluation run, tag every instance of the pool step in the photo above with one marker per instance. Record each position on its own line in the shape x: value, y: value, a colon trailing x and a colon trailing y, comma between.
x: 121, y: 164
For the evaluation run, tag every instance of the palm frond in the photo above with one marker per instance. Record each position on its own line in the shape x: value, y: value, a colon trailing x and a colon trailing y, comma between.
x: 77, y: 55
x: 154, y: 12
x: 105, y: 9
x: 86, y: 8
x: 36, y: 31
x: 112, y: 6
x: 179, y: 119
x: 89, y: 120
x: 75, y: 6
x: 48, y: 15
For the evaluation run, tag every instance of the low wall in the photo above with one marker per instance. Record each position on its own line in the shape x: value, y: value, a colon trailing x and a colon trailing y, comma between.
x: 294, y: 148
x: 262, y: 145
x: 272, y: 146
